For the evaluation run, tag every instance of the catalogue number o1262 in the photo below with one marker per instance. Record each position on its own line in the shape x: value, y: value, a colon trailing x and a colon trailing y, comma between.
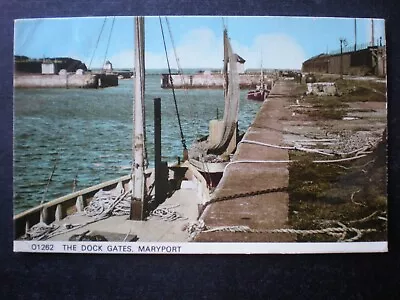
x: 42, y: 247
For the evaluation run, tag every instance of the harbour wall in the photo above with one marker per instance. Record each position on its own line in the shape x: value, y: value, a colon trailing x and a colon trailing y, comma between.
x: 246, y: 179
x: 203, y: 81
x: 65, y: 81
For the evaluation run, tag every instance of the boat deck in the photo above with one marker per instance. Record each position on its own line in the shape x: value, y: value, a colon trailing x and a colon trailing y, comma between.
x: 119, y: 228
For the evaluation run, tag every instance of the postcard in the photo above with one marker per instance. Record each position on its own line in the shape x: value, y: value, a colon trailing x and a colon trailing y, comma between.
x: 179, y: 135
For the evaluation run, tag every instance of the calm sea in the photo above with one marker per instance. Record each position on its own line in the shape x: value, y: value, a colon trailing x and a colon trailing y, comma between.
x: 87, y: 134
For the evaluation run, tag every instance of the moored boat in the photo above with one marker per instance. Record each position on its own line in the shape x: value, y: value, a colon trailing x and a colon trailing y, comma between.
x: 258, y: 94
x: 261, y: 92
x: 212, y: 153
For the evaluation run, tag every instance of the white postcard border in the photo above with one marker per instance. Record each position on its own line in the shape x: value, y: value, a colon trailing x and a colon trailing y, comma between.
x: 197, y: 248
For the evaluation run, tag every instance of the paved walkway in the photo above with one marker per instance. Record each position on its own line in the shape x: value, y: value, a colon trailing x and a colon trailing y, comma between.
x: 264, y: 211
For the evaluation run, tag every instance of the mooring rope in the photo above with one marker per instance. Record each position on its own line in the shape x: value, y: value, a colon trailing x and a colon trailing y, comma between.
x: 341, y: 231
x: 298, y: 147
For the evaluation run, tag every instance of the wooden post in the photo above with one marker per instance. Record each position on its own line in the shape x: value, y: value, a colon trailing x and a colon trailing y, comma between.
x: 27, y: 226
x: 43, y: 215
x: 79, y: 204
x: 157, y: 150
x: 58, y: 215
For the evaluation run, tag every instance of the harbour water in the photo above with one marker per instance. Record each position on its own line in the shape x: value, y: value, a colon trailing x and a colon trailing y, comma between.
x: 85, y: 135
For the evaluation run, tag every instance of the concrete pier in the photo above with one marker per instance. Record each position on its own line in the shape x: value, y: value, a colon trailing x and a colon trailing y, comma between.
x: 69, y: 80
x: 210, y: 80
x: 263, y: 211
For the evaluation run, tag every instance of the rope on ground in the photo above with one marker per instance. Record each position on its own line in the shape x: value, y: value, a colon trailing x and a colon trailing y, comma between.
x: 342, y: 231
x: 166, y: 213
x: 292, y: 161
x: 297, y: 146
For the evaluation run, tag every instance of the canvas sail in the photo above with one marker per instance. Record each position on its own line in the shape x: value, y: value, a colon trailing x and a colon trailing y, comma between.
x: 231, y: 109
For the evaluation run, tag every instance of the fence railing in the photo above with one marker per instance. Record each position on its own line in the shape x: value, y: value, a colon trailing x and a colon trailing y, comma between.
x: 350, y: 48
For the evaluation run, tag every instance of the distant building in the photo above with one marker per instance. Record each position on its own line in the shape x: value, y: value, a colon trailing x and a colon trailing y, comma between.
x: 368, y: 61
x: 48, y: 67
x: 108, y: 66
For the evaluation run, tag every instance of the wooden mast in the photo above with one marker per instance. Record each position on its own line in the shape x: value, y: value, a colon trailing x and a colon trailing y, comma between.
x: 225, y: 70
x: 138, y: 195
x: 262, y: 73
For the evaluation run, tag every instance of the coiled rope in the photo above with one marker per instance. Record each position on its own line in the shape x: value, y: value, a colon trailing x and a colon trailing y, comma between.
x: 104, y: 204
x: 39, y: 230
x: 109, y: 203
x: 167, y: 213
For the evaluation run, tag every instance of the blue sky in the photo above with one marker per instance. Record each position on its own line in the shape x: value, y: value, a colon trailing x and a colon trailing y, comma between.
x: 281, y: 42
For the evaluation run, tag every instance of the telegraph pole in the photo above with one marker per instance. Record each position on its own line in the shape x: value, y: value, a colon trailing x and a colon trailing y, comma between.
x: 342, y: 42
x: 355, y: 34
x: 372, y: 33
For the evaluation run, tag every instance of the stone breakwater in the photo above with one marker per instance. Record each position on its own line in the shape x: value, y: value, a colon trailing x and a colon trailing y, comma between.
x: 212, y: 80
x: 65, y: 81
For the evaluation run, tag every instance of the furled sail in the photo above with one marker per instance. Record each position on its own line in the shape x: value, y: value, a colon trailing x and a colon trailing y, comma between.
x: 231, y: 109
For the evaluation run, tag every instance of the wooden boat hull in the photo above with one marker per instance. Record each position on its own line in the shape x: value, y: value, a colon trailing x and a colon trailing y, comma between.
x: 66, y: 206
x: 257, y: 95
x: 59, y: 208
x: 208, y: 167
x: 212, y: 172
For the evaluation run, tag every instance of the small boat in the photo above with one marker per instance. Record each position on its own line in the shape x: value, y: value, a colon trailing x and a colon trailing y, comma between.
x: 261, y: 92
x: 145, y: 205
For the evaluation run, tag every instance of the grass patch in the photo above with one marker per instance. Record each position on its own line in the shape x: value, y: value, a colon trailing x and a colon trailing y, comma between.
x: 325, y: 113
x: 362, y: 91
x: 336, y: 107
x: 324, y: 107
x: 322, y: 194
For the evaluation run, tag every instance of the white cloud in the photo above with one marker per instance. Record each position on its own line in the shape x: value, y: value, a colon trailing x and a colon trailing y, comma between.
x: 201, y: 48
x: 278, y: 51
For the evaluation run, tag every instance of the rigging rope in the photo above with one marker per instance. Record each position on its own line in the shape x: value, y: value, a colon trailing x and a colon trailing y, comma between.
x: 97, y: 43
x: 50, y: 178
x: 108, y: 42
x: 176, y: 55
x: 173, y: 89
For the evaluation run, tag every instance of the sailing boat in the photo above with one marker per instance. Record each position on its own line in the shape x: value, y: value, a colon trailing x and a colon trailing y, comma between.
x: 100, y: 212
x: 260, y: 93
x: 211, y: 154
